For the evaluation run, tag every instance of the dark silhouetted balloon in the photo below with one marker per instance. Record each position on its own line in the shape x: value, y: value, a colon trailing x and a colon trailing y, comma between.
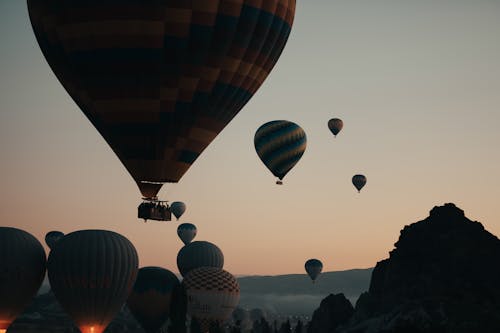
x: 280, y: 144
x: 186, y: 232
x: 160, y: 79
x: 199, y: 254
x: 178, y: 208
x: 335, y: 125
x: 22, y: 269
x: 52, y: 237
x: 91, y: 273
x: 359, y: 181
x: 151, y: 298
x: 212, y: 295
x: 313, y: 268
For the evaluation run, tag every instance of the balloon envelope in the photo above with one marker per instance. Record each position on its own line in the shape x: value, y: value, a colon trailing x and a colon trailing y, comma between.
x: 151, y: 298
x: 359, y: 181
x: 186, y: 232
x: 22, y: 269
x: 280, y: 144
x: 160, y: 79
x: 313, y: 268
x: 212, y: 295
x: 91, y: 273
x: 335, y: 125
x: 52, y: 237
x: 178, y: 208
x: 199, y: 254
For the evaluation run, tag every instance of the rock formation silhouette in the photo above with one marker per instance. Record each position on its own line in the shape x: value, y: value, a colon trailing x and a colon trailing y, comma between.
x: 443, y: 276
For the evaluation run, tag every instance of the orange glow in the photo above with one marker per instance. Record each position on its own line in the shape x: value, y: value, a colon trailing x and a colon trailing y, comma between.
x: 92, y: 329
x: 3, y: 330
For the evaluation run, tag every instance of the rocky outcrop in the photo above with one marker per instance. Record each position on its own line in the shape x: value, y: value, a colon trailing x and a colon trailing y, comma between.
x: 334, y: 311
x: 442, y: 276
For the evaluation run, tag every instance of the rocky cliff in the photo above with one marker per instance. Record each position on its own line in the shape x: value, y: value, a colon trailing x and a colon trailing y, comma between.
x: 442, y: 276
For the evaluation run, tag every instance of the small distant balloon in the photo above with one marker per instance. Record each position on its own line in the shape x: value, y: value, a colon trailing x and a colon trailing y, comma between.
x: 359, y: 181
x: 52, y: 237
x: 178, y: 208
x: 186, y: 232
x: 313, y: 268
x: 335, y: 125
x: 280, y: 144
x: 22, y: 269
x: 151, y: 298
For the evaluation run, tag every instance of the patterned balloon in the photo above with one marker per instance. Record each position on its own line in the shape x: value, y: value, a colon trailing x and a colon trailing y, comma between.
x: 313, y: 268
x: 91, y: 273
x: 22, y: 269
x: 359, y: 181
x: 160, y: 79
x: 178, y: 208
x: 151, y: 298
x: 199, y: 254
x: 186, y: 232
x: 212, y: 295
x: 280, y: 144
x: 335, y: 125
x: 52, y: 237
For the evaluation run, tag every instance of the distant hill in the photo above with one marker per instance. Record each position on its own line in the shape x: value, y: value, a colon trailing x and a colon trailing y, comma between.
x: 295, y: 294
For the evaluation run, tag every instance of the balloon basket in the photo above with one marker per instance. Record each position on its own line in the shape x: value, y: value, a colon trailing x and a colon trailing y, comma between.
x: 151, y: 209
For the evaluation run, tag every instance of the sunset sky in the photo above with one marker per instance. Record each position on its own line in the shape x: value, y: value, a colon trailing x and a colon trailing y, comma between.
x: 417, y: 84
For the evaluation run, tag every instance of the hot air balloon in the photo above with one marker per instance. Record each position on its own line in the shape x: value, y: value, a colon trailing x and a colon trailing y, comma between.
x: 313, y: 268
x: 212, y: 295
x: 91, y: 273
x: 199, y: 254
x: 280, y: 144
x: 359, y: 181
x: 151, y: 297
x: 52, y: 237
x: 178, y: 208
x: 22, y: 269
x: 335, y: 125
x: 160, y: 79
x: 186, y: 232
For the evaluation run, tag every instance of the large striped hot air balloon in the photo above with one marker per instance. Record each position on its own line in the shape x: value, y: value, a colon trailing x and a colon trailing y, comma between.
x: 151, y: 298
x: 186, y: 232
x: 91, y: 273
x: 212, y: 295
x: 199, y: 254
x: 160, y: 79
x: 313, y: 268
x: 22, y: 269
x: 280, y: 144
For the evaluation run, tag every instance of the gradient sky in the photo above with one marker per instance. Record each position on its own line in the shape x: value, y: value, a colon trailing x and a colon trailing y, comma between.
x: 417, y: 84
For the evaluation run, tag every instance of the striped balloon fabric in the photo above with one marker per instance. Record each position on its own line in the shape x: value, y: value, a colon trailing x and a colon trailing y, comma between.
x: 280, y: 144
x: 199, y: 254
x: 151, y: 298
x: 22, y: 269
x: 91, y: 273
x: 160, y: 79
x: 212, y: 295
